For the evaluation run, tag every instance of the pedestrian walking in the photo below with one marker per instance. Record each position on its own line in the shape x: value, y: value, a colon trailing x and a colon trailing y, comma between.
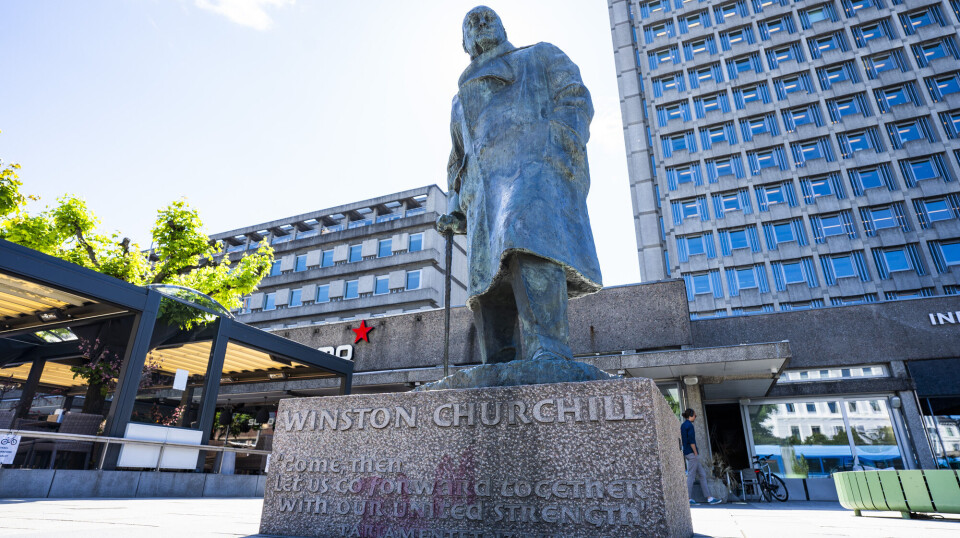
x: 695, y: 470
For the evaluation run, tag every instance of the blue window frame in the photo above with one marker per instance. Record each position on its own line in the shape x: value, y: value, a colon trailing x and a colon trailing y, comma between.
x: 384, y: 248
x: 323, y: 293
x: 275, y: 268
x: 788, y: 231
x: 820, y: 187
x: 848, y: 106
x: 296, y: 298
x: 356, y: 253
x: 870, y: 178
x: 937, y: 209
x: 738, y: 239
x: 898, y: 95
x: 783, y: 233
x: 943, y: 85
x: 413, y: 280
x: 301, y: 263
x: 416, y: 243
x: 270, y: 301
x: 351, y: 289
x: 885, y: 61
x: 771, y: 27
x: 382, y: 285
x: 896, y: 259
x: 326, y: 258
x: 793, y: 273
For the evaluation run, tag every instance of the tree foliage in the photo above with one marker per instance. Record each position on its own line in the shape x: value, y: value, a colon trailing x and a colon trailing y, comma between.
x: 182, y: 253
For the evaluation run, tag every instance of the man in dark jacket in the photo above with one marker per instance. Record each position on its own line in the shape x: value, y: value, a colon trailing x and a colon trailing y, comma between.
x: 688, y: 438
x: 518, y: 181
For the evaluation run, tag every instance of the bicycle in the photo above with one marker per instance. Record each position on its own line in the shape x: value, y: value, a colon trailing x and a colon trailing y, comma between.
x: 771, y: 485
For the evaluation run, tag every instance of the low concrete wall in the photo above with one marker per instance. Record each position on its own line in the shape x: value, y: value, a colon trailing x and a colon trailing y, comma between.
x: 811, y: 489
x: 64, y: 484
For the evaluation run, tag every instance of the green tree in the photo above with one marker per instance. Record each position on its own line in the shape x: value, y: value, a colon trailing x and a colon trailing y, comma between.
x: 182, y: 253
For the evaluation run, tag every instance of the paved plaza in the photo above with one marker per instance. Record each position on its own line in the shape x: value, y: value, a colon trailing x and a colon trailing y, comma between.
x: 192, y: 518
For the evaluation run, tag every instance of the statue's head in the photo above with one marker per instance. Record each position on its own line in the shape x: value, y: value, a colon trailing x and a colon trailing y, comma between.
x: 482, y: 31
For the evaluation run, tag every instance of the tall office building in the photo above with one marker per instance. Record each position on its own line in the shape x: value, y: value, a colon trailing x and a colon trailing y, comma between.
x: 361, y: 260
x: 788, y: 155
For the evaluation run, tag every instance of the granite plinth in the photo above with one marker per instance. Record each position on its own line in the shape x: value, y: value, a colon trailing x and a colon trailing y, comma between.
x: 588, y: 459
x: 519, y: 372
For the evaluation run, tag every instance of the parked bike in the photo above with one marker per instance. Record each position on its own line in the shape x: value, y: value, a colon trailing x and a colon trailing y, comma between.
x: 771, y: 485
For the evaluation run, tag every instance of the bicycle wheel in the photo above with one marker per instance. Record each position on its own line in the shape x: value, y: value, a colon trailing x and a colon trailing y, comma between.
x: 777, y: 488
x: 763, y: 486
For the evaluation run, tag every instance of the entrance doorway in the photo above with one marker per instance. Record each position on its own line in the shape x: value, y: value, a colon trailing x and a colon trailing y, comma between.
x: 727, y: 438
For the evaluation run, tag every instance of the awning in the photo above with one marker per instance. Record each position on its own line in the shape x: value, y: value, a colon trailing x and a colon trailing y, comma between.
x: 729, y: 372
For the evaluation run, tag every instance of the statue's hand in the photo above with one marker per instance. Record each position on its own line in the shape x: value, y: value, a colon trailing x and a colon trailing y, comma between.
x: 454, y: 222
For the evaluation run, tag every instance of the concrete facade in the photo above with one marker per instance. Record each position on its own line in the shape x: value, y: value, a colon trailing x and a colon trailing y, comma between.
x: 360, y: 260
x: 776, y: 164
x: 799, y: 366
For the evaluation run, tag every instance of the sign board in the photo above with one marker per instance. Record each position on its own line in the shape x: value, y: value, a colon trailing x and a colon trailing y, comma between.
x: 580, y: 460
x: 8, y: 448
x: 180, y: 379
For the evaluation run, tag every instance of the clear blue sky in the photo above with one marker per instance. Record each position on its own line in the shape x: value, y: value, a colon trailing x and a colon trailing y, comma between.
x: 255, y: 110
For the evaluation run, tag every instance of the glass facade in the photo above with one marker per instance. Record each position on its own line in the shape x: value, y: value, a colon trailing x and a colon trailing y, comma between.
x: 817, y: 437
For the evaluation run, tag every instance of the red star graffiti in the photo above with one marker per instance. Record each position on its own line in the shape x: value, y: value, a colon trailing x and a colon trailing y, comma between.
x: 362, y: 332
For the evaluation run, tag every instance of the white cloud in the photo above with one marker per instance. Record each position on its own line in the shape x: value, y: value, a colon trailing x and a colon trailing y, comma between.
x: 250, y: 13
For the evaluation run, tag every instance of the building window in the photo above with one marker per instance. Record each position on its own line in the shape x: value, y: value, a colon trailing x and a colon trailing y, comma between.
x: 275, y: 268
x: 296, y: 298
x: 918, y: 19
x: 746, y: 278
x: 689, y: 209
x: 887, y: 61
x: 842, y: 266
x: 301, y: 264
x: 382, y: 285
x: 695, y: 245
x: 897, y: 95
x: 951, y: 123
x: 898, y: 259
x: 778, y: 193
x: 413, y: 280
x: 869, y: 178
x: 819, y: 45
x: 351, y: 290
x: 384, y: 248
x: 921, y: 169
x: 701, y: 284
x: 323, y: 293
x: 945, y: 254
x: 416, y: 242
x: 794, y: 272
x: 356, y: 253
x: 738, y: 239
x: 817, y: 187
x: 840, y: 108
x: 945, y: 85
x: 932, y: 210
x: 326, y: 258
x: 270, y: 301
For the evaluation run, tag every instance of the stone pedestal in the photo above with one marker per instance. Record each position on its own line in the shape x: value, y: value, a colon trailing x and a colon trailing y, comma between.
x: 588, y: 459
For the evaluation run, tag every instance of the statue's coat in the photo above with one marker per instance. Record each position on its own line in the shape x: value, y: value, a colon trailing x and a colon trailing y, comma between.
x: 518, y: 169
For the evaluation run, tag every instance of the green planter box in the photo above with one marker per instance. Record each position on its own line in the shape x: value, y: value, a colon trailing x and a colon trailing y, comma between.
x: 900, y: 491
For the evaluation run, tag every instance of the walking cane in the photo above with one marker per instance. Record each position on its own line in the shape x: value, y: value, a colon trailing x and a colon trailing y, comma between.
x: 448, y: 235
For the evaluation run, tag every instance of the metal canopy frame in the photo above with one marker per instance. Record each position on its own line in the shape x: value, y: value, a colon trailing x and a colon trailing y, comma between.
x: 142, y: 304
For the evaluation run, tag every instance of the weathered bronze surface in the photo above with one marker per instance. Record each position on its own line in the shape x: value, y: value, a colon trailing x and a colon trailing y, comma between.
x: 518, y: 182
